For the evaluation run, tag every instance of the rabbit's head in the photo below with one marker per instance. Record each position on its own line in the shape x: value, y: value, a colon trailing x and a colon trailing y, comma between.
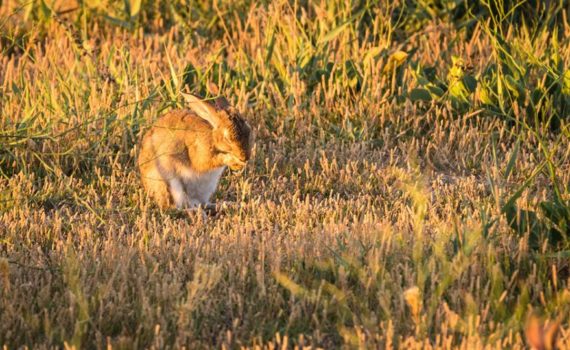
x: 232, y: 135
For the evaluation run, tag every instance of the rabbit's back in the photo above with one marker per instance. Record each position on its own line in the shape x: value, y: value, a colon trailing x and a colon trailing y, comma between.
x: 174, y: 154
x: 172, y: 135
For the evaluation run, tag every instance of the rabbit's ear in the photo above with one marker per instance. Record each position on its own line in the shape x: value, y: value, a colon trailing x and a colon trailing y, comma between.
x: 204, y: 109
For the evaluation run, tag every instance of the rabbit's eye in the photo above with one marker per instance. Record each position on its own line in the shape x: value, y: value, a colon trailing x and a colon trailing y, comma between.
x: 221, y: 151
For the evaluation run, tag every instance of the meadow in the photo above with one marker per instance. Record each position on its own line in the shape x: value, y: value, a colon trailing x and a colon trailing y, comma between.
x: 409, y: 187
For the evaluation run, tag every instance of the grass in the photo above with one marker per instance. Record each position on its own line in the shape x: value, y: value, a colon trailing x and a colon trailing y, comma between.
x: 409, y: 187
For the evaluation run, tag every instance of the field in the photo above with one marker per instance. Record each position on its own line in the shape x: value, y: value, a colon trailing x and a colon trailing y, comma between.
x: 409, y: 188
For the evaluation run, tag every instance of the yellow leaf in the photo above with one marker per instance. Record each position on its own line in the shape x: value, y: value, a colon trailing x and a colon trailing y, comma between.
x: 395, y: 60
x: 288, y: 284
x: 414, y: 300
x: 566, y: 83
x: 134, y: 6
x: 399, y: 56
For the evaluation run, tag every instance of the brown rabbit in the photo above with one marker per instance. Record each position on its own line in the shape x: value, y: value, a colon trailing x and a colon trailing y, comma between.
x: 184, y: 154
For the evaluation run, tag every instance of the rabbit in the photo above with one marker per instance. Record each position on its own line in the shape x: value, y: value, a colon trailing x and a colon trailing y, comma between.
x: 184, y: 154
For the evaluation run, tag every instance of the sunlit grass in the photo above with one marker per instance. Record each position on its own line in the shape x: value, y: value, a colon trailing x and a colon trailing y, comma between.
x: 409, y: 186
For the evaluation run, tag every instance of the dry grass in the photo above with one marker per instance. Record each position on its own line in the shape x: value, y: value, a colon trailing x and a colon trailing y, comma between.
x: 356, y: 195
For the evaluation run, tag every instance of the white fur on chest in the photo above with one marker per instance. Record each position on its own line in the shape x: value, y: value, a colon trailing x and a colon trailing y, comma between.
x: 199, y: 187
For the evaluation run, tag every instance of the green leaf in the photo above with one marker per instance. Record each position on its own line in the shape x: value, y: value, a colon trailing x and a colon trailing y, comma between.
x: 336, y: 31
x: 513, y: 85
x: 512, y: 160
x: 45, y: 12
x: 511, y: 202
x: 333, y: 33
x: 173, y: 74
x: 537, y: 95
x: 523, y: 221
x: 566, y: 83
x: 470, y: 83
x: 270, y: 48
x: 435, y: 90
x: 423, y: 81
x: 418, y: 94
x: 191, y: 76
